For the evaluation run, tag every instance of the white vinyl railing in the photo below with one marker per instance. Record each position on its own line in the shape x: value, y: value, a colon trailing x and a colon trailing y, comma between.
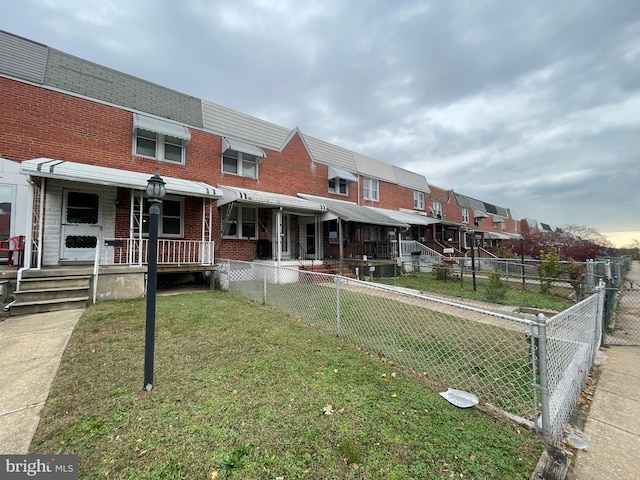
x: 410, y: 247
x: 128, y: 251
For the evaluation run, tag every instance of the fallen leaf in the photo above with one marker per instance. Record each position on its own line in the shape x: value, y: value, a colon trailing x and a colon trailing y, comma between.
x: 328, y: 410
x: 341, y: 410
x: 384, y: 415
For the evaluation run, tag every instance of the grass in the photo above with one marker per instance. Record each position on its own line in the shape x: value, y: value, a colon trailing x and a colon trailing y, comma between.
x: 242, y: 391
x: 515, y: 295
x: 489, y: 360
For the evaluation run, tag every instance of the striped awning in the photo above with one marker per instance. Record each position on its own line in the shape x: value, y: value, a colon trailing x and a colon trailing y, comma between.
x: 97, y: 175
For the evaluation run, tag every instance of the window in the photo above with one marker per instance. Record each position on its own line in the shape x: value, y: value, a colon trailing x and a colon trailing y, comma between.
x: 241, y: 223
x: 437, y: 209
x: 170, y: 222
x: 156, y: 145
x: 240, y: 163
x: 465, y: 215
x: 372, y: 234
x: 339, y: 186
x: 371, y: 189
x: 418, y: 200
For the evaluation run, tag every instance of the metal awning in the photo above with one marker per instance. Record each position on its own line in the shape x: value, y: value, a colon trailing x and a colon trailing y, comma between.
x: 480, y: 214
x: 335, y: 172
x: 267, y: 199
x: 159, y: 125
x: 94, y: 174
x: 407, y: 217
x: 352, y: 212
x: 238, y: 146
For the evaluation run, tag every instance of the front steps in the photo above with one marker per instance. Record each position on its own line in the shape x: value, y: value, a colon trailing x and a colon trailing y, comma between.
x: 50, y: 290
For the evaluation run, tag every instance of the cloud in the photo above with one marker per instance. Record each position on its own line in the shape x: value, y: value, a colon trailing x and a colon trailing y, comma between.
x: 528, y: 105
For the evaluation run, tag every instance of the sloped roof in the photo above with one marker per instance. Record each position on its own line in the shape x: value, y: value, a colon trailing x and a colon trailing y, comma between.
x: 439, y: 194
x: 352, y: 212
x: 411, y: 179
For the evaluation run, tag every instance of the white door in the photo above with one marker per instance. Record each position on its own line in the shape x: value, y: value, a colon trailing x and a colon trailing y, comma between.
x: 80, y: 225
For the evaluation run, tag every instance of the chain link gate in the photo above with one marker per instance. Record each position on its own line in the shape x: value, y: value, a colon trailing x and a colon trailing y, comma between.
x: 622, y: 317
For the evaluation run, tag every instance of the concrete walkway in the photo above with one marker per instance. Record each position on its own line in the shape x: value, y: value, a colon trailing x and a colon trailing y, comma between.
x: 30, y: 350
x: 613, y: 425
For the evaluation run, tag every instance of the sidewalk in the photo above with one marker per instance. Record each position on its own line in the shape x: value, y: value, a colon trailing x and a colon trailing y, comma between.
x: 30, y: 350
x: 613, y: 424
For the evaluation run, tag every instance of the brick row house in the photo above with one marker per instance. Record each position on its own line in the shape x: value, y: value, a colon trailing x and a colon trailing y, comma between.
x: 79, y: 142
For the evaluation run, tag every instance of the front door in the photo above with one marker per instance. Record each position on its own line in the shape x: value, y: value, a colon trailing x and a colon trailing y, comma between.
x: 80, y: 225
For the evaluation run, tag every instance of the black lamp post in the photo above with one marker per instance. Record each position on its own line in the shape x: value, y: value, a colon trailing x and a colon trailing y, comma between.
x: 155, y: 193
x: 472, y: 233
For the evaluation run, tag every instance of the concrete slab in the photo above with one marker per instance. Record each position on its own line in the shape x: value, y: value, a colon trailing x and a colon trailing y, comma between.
x: 621, y: 384
x: 612, y: 454
x: 17, y: 430
x: 30, y: 350
x: 616, y: 410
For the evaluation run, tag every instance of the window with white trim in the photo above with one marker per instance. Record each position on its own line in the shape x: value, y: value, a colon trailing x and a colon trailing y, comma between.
x: 437, y: 209
x: 465, y: 215
x: 240, y: 163
x: 371, y: 189
x: 241, y: 223
x: 418, y: 200
x: 170, y: 221
x: 339, y: 186
x: 161, y: 147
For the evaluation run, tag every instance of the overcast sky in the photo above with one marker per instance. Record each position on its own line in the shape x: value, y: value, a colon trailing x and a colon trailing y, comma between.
x: 530, y: 105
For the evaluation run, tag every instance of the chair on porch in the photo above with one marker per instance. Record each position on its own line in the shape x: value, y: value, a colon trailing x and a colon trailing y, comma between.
x: 11, y: 246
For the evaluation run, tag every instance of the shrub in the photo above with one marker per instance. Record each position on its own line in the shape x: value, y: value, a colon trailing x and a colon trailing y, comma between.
x: 440, y: 271
x: 548, y: 269
x: 496, y: 291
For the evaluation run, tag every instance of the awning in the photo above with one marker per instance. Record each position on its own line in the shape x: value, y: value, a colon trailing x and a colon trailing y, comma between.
x: 81, y: 172
x: 352, y: 212
x: 267, y: 199
x: 479, y: 214
x: 161, y: 126
x: 497, y: 235
x: 407, y: 217
x: 335, y: 172
x: 238, y: 146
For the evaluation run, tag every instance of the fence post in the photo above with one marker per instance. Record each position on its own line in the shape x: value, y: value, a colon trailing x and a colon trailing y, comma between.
x: 264, y: 288
x: 337, y: 305
x: 544, y: 376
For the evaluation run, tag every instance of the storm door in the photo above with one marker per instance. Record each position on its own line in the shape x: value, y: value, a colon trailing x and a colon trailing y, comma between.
x: 80, y: 225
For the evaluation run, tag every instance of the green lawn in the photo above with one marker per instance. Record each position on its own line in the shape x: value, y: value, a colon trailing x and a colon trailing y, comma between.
x: 515, y: 295
x: 241, y: 390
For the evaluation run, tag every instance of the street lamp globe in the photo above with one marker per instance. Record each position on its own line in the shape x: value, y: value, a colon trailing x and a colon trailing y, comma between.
x: 156, y: 189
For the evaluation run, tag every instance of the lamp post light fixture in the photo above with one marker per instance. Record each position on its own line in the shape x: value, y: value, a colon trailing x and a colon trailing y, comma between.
x: 155, y: 193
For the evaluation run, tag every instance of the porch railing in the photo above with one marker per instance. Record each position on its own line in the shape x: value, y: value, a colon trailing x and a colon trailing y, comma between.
x: 133, y: 251
x: 413, y: 247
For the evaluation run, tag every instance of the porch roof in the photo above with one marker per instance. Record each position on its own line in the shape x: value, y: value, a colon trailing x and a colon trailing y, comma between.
x: 352, y: 212
x: 94, y: 174
x: 407, y: 217
x: 256, y: 197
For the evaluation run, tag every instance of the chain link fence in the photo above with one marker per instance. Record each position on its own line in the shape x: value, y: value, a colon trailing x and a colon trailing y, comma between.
x: 522, y: 365
x: 622, y: 316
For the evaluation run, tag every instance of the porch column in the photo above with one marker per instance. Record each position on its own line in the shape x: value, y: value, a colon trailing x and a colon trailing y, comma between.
x: 279, y: 236
x: 341, y: 246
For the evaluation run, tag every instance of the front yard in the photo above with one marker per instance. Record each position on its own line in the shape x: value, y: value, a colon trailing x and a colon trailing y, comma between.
x: 246, y: 392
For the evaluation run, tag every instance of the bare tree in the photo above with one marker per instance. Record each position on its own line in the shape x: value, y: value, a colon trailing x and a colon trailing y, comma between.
x: 588, y: 234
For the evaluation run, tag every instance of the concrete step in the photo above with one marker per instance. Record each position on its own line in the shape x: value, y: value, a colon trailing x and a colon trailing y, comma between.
x: 54, y: 282
x: 32, y: 295
x: 42, y: 306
